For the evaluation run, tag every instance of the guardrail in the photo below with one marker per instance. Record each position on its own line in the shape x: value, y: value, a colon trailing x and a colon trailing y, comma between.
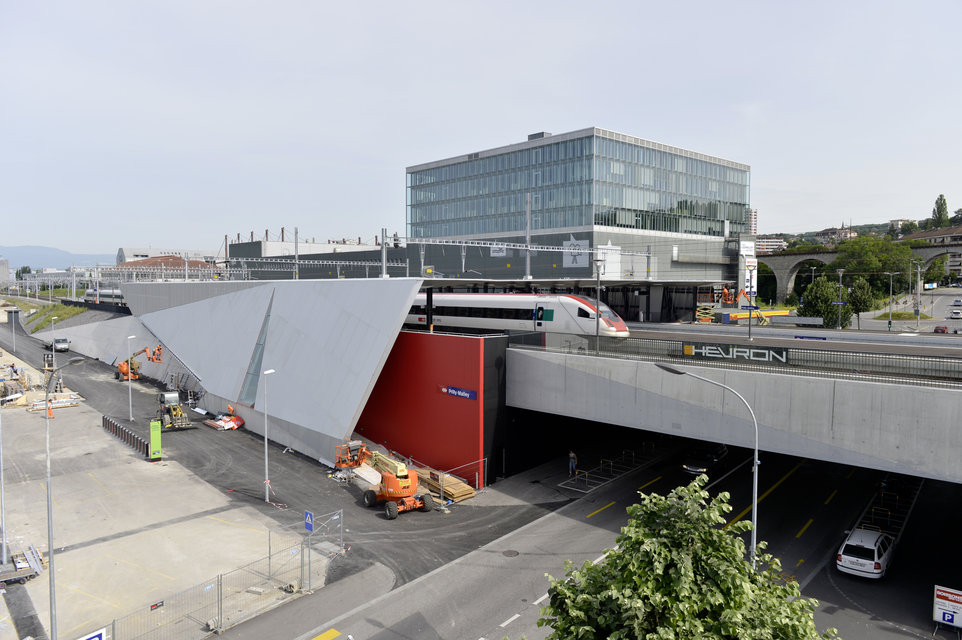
x: 922, y: 371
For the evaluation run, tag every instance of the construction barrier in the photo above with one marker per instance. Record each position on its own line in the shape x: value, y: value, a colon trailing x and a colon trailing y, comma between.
x: 136, y: 442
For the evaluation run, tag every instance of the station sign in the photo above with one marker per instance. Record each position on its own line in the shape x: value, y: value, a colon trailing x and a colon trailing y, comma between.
x: 735, y: 352
x: 947, y: 606
x: 457, y: 392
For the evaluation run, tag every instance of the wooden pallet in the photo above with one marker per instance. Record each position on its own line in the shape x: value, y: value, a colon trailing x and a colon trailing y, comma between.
x: 454, y: 488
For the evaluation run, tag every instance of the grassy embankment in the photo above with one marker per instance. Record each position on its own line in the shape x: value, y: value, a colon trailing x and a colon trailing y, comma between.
x: 35, y: 316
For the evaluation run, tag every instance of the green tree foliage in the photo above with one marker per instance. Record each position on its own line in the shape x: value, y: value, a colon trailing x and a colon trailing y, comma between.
x: 818, y: 303
x: 940, y: 213
x: 861, y: 298
x: 871, y: 257
x: 935, y: 272
x: 21, y: 271
x: 675, y: 574
x: 909, y: 227
x: 956, y: 217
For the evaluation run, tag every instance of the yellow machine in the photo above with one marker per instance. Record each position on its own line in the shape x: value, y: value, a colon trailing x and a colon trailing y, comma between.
x: 171, y: 415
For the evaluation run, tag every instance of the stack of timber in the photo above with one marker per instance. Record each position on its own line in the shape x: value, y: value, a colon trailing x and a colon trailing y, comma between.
x: 455, y: 489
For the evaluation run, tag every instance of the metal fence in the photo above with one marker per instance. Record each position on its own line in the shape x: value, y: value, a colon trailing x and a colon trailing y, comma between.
x: 297, y: 566
x: 904, y: 369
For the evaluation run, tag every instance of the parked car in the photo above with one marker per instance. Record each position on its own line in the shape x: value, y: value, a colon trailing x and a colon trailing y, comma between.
x: 957, y: 302
x: 703, y: 458
x: 58, y: 344
x: 941, y: 329
x: 956, y: 314
x: 866, y: 553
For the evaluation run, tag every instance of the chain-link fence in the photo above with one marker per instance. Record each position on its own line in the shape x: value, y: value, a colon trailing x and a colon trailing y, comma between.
x: 296, y: 563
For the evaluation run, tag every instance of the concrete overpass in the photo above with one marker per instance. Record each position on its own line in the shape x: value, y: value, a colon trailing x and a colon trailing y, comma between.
x: 900, y: 428
x: 786, y: 266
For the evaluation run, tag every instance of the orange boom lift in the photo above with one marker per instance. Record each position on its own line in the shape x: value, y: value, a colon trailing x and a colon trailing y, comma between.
x: 129, y: 369
x: 398, y: 489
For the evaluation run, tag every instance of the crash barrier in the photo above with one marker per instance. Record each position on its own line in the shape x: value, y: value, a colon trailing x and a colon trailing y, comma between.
x: 128, y: 437
x: 230, y: 598
x: 904, y: 369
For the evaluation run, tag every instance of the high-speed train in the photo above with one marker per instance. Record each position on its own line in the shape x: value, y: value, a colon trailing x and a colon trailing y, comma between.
x: 554, y: 313
x: 104, y: 296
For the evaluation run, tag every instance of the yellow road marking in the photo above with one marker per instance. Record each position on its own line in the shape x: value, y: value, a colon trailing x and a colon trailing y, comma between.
x: 649, y: 482
x: 850, y: 473
x: 764, y: 495
x: 234, y: 524
x: 800, y: 563
x: 330, y: 634
x: 799, y: 534
x: 829, y: 499
x: 599, y: 510
x: 94, y: 478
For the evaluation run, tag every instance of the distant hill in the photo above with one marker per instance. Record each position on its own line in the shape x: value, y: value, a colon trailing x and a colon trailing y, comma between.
x: 47, y: 257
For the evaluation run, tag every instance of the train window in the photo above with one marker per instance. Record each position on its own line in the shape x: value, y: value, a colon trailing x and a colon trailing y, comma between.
x: 583, y: 313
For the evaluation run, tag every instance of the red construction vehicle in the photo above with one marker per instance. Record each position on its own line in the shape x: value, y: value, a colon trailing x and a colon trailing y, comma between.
x: 129, y: 368
x: 398, y: 489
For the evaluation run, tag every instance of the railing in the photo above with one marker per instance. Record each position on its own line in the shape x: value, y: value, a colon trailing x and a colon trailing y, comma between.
x: 230, y: 598
x: 904, y: 369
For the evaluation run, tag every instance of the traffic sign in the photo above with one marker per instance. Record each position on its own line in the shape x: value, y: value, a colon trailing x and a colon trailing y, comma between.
x: 748, y: 307
x: 309, y: 521
x: 837, y: 302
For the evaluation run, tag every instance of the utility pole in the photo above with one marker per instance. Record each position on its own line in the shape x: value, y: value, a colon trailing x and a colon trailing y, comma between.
x: 840, y: 271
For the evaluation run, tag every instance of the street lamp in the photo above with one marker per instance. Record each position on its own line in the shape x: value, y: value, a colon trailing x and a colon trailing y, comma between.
x: 267, y: 482
x: 3, y: 500
x: 890, y: 274
x: 53, y: 341
x: 679, y: 372
x: 813, y: 274
x: 840, y: 271
x: 50, y: 569
x: 130, y: 400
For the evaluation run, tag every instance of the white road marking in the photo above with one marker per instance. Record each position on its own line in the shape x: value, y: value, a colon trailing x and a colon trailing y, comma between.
x: 541, y: 599
x: 510, y: 620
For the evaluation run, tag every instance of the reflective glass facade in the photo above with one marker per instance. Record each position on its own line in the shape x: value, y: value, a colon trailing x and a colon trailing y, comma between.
x: 579, y: 180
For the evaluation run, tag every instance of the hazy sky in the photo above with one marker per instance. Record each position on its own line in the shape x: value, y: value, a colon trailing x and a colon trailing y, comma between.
x: 173, y: 123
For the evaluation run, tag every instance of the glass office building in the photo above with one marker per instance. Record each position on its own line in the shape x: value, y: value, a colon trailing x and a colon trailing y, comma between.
x: 578, y: 181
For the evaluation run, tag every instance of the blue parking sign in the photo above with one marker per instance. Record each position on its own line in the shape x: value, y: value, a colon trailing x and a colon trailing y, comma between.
x: 948, y: 616
x: 309, y: 521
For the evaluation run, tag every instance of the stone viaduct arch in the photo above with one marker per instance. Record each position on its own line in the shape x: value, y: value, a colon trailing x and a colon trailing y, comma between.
x: 786, y: 266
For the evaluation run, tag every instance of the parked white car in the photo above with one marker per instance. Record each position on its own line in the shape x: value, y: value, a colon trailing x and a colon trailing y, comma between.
x: 866, y: 553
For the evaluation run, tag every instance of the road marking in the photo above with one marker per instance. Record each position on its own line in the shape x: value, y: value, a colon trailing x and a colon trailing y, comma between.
x: 599, y: 558
x: 649, y: 482
x: 850, y: 473
x: 599, y: 510
x: 800, y: 563
x: 799, y: 534
x: 510, y: 620
x: 330, y: 634
x: 764, y: 495
x: 541, y: 599
x: 829, y: 499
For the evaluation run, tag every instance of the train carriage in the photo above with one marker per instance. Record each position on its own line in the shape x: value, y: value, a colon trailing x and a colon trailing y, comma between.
x: 548, y: 313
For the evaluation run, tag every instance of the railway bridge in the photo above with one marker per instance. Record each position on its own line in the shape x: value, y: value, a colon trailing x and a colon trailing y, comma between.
x: 786, y: 266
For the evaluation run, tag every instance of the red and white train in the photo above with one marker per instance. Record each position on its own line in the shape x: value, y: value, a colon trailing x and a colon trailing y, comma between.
x: 548, y: 313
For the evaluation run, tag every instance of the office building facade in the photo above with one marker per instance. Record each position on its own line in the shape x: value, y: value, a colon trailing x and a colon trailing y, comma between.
x: 663, y: 216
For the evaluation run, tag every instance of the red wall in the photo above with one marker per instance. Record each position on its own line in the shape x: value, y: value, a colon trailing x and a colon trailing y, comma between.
x: 411, y: 412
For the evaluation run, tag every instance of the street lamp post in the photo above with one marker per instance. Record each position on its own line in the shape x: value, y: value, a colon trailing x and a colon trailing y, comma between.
x: 813, y: 274
x: 3, y: 500
x: 50, y: 569
x: 130, y: 395
x: 890, y: 274
x: 840, y: 271
x: 918, y: 292
x: 679, y: 372
x: 267, y: 482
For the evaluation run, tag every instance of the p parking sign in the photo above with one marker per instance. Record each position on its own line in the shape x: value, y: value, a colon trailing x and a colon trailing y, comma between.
x: 947, y: 606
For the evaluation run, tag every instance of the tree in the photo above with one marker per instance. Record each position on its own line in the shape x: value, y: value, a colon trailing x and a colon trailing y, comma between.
x: 820, y: 297
x: 909, y: 227
x: 861, y: 298
x: 871, y: 258
x: 940, y: 213
x: 21, y: 271
x: 676, y: 574
x: 956, y: 218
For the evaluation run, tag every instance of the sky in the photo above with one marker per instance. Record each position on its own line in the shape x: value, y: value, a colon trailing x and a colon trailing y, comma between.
x: 170, y: 124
